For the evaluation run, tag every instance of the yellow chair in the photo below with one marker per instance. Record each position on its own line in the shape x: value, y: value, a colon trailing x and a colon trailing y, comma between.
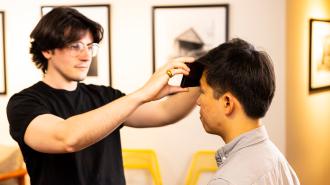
x: 202, y: 161
x: 143, y: 159
x: 18, y: 174
x: 12, y: 168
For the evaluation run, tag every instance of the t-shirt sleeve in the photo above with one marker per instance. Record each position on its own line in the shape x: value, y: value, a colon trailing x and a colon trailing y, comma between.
x: 114, y: 93
x: 21, y: 110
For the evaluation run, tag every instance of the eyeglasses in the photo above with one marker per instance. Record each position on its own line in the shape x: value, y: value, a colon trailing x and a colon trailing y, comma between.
x: 78, y: 48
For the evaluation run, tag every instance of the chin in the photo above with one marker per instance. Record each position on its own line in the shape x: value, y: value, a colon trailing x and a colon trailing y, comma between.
x: 78, y: 79
x: 206, y: 128
x: 209, y: 131
x: 81, y: 77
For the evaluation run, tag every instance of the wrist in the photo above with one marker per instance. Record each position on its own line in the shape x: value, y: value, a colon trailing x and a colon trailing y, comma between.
x: 138, y: 97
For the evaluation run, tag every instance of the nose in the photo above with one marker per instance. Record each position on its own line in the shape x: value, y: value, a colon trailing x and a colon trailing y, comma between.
x: 85, y: 54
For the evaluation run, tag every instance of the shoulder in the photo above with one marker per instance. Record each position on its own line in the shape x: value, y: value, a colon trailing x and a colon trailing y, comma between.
x: 30, y: 93
x: 250, y: 163
x: 27, y: 99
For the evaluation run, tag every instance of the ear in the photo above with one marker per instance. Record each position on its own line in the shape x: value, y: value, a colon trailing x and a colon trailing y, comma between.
x: 47, y: 54
x: 228, y: 103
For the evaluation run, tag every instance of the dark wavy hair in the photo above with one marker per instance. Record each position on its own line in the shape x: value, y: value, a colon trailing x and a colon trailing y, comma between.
x: 248, y: 74
x: 58, y: 28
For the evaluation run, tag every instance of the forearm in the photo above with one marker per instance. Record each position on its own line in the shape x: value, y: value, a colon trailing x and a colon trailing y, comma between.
x: 164, y: 112
x: 179, y: 105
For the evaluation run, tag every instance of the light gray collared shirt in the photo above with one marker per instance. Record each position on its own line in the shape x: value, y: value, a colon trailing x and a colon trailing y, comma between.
x: 252, y: 159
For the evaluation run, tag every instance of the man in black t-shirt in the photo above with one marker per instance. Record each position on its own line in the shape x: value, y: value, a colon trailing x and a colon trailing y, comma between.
x: 69, y: 131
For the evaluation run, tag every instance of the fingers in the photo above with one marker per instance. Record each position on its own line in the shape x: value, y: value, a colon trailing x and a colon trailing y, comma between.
x: 180, y: 62
x: 178, y: 66
x: 157, y: 86
x: 174, y: 71
x: 169, y: 73
x: 184, y: 59
x: 173, y: 65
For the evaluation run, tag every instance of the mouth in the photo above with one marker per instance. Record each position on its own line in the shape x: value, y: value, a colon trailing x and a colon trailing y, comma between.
x: 81, y: 67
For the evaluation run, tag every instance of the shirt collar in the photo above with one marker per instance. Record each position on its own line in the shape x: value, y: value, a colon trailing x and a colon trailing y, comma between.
x: 244, y: 140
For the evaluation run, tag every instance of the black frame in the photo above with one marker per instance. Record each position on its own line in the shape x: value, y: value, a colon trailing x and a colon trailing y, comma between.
x: 4, y: 91
x: 184, y: 7
x: 312, y: 62
x: 108, y: 7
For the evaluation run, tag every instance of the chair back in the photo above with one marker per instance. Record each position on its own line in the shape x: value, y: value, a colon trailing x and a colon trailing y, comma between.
x: 143, y: 159
x: 202, y: 161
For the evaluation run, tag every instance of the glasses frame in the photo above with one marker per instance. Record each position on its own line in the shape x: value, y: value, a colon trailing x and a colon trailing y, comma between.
x: 81, y: 47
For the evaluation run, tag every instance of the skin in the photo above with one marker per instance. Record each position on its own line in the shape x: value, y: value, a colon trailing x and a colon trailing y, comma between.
x: 223, y: 116
x: 142, y: 108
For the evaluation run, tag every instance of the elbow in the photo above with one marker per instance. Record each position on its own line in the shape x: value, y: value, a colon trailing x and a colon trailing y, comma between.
x: 68, y: 148
x: 70, y: 140
x: 70, y: 144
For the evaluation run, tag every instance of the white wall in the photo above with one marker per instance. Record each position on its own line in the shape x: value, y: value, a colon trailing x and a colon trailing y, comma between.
x: 259, y: 21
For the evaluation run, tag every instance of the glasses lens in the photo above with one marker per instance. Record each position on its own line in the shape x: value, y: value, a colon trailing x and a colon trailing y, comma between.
x: 94, y: 49
x: 78, y: 48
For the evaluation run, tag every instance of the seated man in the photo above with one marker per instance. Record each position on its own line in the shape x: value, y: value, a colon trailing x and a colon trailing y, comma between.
x: 237, y: 87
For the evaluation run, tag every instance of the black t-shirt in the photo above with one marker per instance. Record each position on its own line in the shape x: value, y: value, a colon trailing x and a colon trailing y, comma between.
x: 98, y: 164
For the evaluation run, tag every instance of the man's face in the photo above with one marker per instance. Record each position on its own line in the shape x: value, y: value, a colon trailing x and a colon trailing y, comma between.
x: 70, y: 63
x: 210, y: 109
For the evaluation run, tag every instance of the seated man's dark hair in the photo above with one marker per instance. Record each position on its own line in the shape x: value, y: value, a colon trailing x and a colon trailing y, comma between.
x: 248, y: 74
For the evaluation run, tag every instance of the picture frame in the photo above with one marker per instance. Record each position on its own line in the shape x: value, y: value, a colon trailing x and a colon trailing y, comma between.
x: 100, y: 69
x: 187, y: 30
x: 3, y: 80
x: 319, y: 55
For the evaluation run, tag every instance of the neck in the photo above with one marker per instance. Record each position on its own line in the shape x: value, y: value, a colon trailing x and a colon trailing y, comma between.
x: 59, y: 83
x: 238, y: 128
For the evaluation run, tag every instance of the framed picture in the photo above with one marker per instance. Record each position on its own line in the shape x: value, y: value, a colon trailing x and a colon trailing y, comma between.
x: 319, y: 55
x: 3, y: 85
x: 187, y: 30
x: 100, y: 69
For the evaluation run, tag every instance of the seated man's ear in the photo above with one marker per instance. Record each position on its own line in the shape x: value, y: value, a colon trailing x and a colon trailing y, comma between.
x: 228, y: 101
